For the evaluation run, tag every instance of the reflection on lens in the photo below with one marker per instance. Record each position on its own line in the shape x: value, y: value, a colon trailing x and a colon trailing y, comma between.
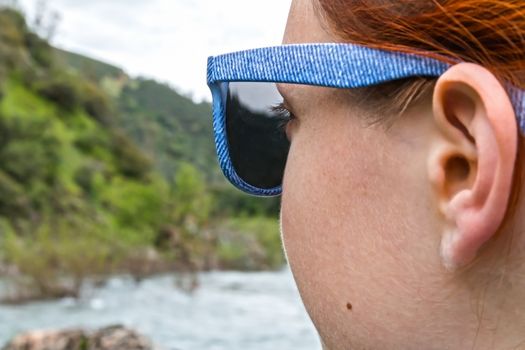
x: 257, y: 142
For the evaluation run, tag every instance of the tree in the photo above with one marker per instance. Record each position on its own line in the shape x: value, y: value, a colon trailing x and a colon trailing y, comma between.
x: 46, y: 21
x: 191, y: 199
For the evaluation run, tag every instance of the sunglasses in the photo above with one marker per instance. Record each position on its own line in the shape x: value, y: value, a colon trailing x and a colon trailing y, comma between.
x: 248, y: 118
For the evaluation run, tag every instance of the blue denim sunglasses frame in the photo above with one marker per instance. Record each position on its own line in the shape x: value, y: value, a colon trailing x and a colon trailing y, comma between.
x: 334, y: 65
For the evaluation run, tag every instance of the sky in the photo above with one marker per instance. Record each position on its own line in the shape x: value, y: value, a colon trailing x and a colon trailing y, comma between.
x: 168, y: 40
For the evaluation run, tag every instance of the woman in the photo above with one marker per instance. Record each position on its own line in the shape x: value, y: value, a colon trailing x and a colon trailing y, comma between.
x: 399, y: 166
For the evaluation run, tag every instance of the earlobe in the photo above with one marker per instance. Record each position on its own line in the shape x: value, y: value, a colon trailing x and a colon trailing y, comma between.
x: 471, y: 161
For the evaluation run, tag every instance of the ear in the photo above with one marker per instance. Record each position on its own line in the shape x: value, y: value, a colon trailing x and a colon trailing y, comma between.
x: 472, y: 159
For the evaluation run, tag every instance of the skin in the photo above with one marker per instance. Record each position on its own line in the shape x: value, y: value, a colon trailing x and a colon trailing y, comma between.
x: 380, y: 226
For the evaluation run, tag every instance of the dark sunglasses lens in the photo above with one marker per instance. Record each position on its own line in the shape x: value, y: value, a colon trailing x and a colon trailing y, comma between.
x: 256, y: 133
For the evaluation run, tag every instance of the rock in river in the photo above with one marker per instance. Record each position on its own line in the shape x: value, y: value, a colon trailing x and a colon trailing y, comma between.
x: 109, y: 338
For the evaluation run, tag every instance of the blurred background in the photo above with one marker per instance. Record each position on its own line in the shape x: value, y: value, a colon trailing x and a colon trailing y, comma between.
x: 113, y: 210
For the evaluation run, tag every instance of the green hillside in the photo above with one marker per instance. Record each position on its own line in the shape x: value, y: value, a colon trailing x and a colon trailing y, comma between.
x: 100, y: 173
x: 91, y: 68
x: 169, y: 127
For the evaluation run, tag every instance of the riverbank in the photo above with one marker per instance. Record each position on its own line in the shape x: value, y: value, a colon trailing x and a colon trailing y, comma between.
x: 230, y: 310
x: 47, y: 267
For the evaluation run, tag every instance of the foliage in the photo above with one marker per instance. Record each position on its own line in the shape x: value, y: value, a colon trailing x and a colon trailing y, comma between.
x: 191, y: 198
x: 129, y: 159
x: 97, y: 169
x: 253, y: 242
x: 59, y: 89
x: 231, y: 202
x: 92, y: 69
x: 96, y: 103
x: 40, y: 50
x: 57, y: 250
x: 170, y: 126
x: 137, y: 208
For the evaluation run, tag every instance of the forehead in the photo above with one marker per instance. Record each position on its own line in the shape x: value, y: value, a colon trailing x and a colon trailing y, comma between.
x: 304, y: 24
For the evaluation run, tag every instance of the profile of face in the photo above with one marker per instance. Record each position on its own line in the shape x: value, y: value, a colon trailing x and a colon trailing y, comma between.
x: 379, y: 223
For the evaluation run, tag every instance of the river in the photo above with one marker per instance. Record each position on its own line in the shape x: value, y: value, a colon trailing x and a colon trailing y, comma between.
x: 230, y: 310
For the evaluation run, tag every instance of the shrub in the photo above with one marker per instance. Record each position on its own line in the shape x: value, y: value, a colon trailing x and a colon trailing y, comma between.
x: 59, y: 89
x: 96, y: 103
x: 250, y: 243
x: 191, y: 198
x: 137, y: 208
x: 130, y: 160
x: 229, y: 201
x: 56, y: 259
x: 12, y: 27
x: 41, y: 52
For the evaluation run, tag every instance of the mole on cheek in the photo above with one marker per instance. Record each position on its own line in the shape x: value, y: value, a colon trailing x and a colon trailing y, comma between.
x: 349, y: 306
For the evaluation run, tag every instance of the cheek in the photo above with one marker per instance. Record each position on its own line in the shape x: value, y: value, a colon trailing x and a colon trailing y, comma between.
x: 345, y: 231
x: 320, y: 222
x: 331, y: 193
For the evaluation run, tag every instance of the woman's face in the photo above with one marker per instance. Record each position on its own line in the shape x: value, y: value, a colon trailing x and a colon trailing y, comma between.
x: 358, y: 219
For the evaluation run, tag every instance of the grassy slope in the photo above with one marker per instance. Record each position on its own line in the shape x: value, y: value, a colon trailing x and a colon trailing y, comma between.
x: 90, y: 176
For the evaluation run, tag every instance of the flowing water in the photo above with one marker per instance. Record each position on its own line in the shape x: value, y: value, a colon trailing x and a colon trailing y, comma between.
x: 230, y: 310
